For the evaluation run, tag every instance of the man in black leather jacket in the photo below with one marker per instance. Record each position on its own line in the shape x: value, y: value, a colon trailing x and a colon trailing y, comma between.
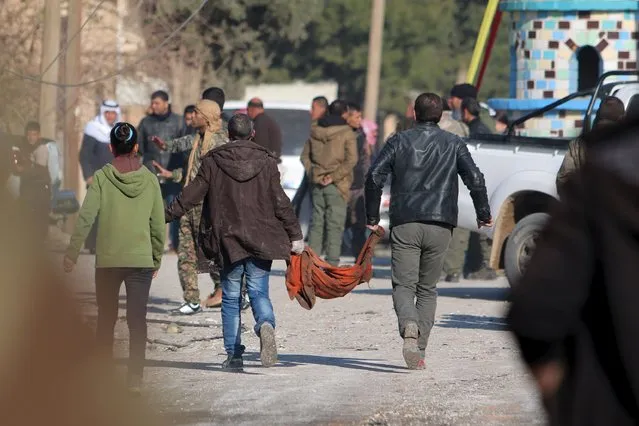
x: 424, y: 163
x: 166, y: 125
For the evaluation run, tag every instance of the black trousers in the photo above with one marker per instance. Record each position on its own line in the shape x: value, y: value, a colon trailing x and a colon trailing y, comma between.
x: 107, y: 286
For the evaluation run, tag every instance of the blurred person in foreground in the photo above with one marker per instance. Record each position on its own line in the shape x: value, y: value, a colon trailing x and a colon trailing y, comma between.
x: 574, y: 311
x: 249, y: 222
x: 126, y: 199
x: 424, y: 163
x: 329, y: 157
x: 210, y: 132
x: 47, y: 352
x: 611, y: 112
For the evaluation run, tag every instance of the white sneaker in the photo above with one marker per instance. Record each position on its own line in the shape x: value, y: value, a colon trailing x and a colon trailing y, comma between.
x: 187, y: 309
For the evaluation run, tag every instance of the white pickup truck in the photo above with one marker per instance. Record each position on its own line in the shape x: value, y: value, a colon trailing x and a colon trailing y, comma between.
x: 520, y: 175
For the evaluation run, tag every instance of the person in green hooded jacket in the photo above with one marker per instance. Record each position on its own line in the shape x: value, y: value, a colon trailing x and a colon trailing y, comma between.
x: 127, y: 201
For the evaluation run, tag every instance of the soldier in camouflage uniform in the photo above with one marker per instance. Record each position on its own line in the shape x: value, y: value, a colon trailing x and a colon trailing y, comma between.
x: 212, y: 132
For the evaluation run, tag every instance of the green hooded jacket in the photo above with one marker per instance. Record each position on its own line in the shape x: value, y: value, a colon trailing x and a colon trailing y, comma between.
x: 130, y: 213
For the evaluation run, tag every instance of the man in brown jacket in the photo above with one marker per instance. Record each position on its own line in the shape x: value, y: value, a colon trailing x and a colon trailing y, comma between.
x: 329, y: 157
x: 247, y: 222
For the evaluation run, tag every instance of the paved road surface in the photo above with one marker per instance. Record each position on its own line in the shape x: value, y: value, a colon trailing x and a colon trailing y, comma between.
x: 340, y: 363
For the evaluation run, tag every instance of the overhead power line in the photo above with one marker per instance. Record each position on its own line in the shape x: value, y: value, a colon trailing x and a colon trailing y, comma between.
x: 121, y: 70
x: 77, y: 33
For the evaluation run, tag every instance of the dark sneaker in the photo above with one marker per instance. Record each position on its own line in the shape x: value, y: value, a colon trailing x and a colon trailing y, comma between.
x: 452, y: 278
x: 187, y: 309
x: 268, y: 347
x: 134, y: 384
x: 411, y: 352
x: 233, y: 363
x: 486, y: 273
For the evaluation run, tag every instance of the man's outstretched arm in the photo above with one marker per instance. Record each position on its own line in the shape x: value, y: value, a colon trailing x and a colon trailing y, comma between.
x: 181, y: 144
x: 192, y: 194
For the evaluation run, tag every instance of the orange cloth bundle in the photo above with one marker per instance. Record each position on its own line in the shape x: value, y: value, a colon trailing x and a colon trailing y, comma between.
x: 308, y: 276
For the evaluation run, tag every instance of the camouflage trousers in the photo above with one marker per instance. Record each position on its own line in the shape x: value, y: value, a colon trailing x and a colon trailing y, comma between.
x: 187, y: 256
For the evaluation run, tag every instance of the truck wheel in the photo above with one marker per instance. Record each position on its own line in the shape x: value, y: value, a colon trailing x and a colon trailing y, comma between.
x: 521, y: 245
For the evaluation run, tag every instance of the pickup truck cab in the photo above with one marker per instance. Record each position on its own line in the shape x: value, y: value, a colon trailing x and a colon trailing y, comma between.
x: 520, y: 175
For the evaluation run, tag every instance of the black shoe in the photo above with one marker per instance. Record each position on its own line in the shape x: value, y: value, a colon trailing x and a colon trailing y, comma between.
x: 452, y: 278
x: 233, y: 363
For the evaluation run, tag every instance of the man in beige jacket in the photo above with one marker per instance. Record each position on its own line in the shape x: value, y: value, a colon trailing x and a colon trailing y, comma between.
x: 329, y: 157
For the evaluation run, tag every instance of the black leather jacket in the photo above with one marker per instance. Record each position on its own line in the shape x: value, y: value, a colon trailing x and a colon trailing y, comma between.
x: 424, y: 163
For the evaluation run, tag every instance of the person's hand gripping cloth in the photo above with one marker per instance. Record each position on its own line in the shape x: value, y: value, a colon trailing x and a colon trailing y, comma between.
x: 308, y: 276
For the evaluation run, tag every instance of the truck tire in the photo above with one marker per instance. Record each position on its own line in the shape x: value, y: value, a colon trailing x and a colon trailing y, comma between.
x: 521, y: 245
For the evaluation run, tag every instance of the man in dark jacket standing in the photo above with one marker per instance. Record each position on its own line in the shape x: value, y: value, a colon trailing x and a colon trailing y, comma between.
x: 166, y: 125
x: 248, y: 222
x: 424, y: 163
x: 574, y: 311
x: 356, y: 218
x: 329, y: 157
x: 267, y: 132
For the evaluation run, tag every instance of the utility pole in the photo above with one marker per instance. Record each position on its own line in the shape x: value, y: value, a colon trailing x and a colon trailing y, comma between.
x: 375, y: 41
x: 73, y: 73
x: 49, y: 70
x: 121, y: 11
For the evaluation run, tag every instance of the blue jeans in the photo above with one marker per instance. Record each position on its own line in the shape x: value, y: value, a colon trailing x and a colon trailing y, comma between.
x: 257, y: 273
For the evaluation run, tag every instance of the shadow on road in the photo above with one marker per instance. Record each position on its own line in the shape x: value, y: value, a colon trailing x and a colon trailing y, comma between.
x: 285, y: 360
x: 479, y: 293
x: 472, y: 322
x: 201, y: 366
x: 293, y: 360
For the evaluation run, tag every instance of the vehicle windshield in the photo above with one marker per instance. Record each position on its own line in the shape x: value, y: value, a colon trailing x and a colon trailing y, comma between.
x: 295, y: 125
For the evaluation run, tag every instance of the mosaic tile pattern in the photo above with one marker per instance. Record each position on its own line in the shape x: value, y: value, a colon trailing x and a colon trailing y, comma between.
x: 562, y: 124
x: 544, y: 45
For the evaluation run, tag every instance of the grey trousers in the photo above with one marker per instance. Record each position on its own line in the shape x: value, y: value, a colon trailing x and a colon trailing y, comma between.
x: 417, y: 254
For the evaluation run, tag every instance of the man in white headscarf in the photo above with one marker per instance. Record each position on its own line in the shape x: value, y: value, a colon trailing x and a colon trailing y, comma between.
x: 95, y: 153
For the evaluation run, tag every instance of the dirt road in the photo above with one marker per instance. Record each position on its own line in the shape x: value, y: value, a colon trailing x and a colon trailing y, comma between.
x: 340, y: 363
